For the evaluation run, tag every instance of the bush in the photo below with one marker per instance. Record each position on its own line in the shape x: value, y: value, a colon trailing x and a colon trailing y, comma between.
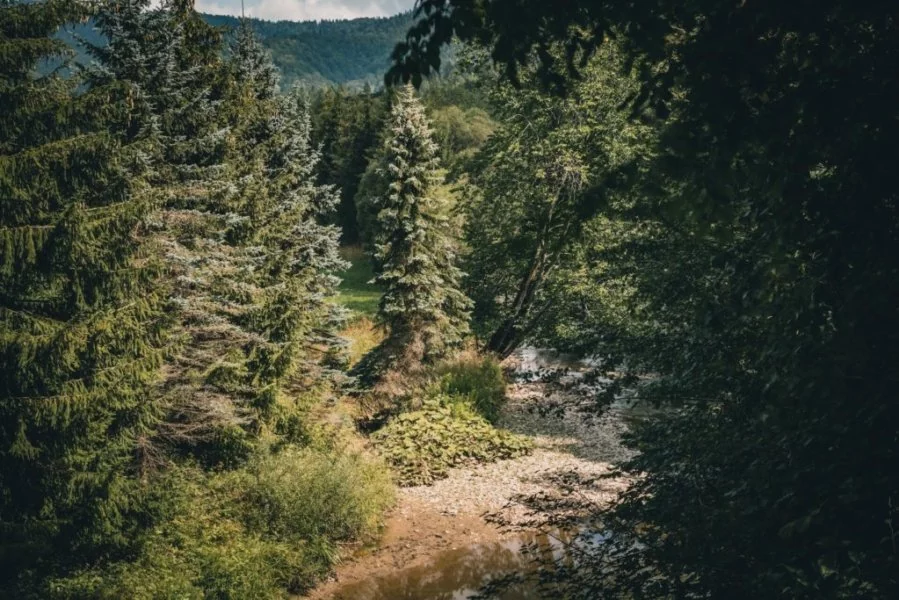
x: 306, y: 494
x: 260, y: 532
x: 477, y: 380
x: 423, y: 445
x: 204, y: 551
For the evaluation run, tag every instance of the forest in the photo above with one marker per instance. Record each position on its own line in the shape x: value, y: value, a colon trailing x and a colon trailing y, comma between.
x: 606, y: 310
x: 316, y: 53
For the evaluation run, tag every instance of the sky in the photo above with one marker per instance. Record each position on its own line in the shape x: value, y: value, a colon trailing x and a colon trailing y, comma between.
x: 306, y: 10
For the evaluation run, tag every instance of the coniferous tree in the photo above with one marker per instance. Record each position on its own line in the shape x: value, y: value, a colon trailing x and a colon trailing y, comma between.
x: 422, y: 307
x: 82, y: 334
x: 239, y: 224
x: 174, y: 60
x: 253, y: 63
x: 290, y: 255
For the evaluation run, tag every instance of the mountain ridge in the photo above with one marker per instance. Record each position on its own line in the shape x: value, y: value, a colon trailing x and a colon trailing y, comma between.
x: 351, y: 52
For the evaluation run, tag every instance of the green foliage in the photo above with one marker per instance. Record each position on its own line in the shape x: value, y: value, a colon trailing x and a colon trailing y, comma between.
x: 258, y: 532
x: 240, y: 224
x: 164, y: 158
x: 82, y: 327
x: 459, y: 132
x: 478, y: 381
x: 548, y: 167
x: 423, y: 445
x: 308, y: 494
x: 756, y: 256
x: 252, y: 63
x: 422, y: 307
x: 346, y: 125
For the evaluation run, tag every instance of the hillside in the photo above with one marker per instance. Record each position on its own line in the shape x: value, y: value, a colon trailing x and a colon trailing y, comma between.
x: 352, y: 52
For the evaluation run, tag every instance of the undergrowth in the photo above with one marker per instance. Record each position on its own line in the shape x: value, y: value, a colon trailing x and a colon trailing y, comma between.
x: 424, y: 444
x: 260, y: 532
x: 477, y: 380
x: 362, y: 335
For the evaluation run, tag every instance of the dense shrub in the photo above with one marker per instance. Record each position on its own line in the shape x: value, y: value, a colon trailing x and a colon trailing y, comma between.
x: 477, y: 380
x: 261, y: 532
x: 307, y: 494
x: 423, y: 445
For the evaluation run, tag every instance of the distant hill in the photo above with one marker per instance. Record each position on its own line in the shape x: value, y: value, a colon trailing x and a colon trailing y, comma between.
x: 352, y: 52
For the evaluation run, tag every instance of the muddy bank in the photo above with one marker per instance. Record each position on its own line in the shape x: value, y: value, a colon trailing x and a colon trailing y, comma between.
x: 416, y: 534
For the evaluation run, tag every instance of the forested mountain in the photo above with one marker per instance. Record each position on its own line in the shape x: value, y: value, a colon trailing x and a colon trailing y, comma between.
x: 351, y: 52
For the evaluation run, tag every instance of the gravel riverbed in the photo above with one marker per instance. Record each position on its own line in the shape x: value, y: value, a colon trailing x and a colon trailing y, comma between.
x: 462, y: 510
x: 567, y: 445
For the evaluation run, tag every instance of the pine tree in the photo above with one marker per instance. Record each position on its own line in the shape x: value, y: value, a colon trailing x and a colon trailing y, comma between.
x: 423, y: 309
x: 253, y: 63
x: 291, y: 255
x: 82, y: 334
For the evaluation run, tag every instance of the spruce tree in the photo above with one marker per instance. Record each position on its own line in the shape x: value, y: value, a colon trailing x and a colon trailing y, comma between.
x: 423, y: 309
x: 253, y: 63
x: 81, y: 327
x: 290, y: 255
x: 186, y: 93
x: 239, y: 227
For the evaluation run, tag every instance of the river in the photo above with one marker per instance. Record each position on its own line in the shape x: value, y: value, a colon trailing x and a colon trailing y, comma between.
x: 460, y: 572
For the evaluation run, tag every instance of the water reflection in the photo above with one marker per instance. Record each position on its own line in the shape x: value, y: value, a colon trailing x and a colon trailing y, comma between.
x: 461, y: 573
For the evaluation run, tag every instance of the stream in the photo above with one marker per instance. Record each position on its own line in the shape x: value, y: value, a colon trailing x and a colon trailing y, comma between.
x: 460, y: 572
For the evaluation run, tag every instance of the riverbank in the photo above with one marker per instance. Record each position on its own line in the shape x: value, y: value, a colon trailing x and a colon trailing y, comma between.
x: 461, y: 511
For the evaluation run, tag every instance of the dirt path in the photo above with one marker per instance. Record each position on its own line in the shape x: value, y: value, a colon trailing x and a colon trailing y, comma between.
x: 451, y: 513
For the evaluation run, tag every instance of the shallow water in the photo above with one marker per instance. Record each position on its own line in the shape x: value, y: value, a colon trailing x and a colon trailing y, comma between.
x: 459, y: 573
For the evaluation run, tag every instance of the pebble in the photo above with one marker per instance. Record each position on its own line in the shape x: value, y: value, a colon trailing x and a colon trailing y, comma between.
x: 569, y: 445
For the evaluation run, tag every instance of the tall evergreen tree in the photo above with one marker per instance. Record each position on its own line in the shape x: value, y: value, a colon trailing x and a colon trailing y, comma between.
x: 186, y: 94
x: 253, y: 63
x: 81, y: 328
x: 239, y: 224
x: 290, y: 255
x: 424, y: 310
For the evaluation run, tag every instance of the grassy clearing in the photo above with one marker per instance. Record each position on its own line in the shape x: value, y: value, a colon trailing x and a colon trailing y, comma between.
x: 363, y: 335
x: 355, y: 292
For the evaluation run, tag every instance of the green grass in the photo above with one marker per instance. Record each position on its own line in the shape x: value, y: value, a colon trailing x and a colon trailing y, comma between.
x: 355, y: 291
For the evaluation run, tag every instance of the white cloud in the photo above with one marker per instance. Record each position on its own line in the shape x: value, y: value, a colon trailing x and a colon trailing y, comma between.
x: 305, y: 10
